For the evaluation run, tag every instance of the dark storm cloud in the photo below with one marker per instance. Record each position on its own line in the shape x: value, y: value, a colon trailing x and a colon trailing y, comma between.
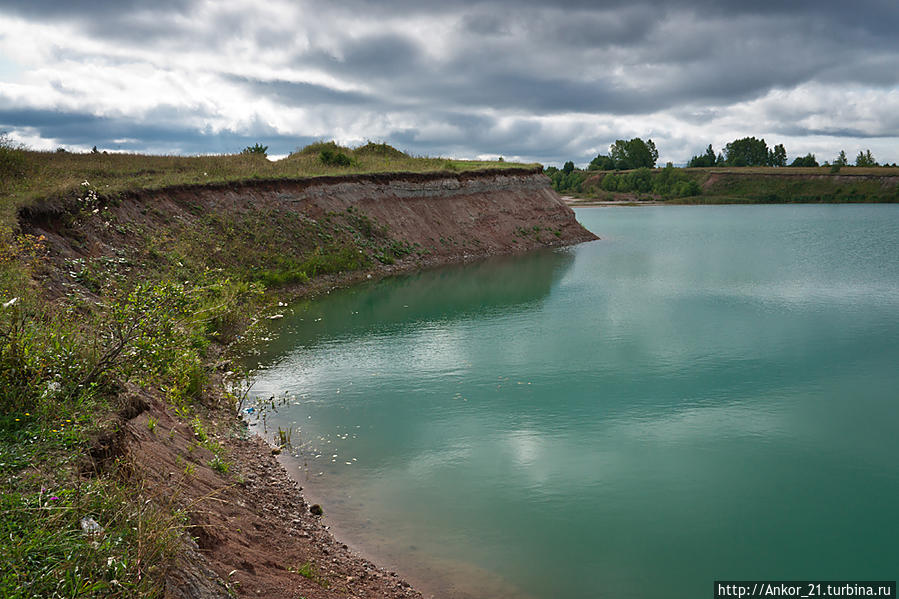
x: 484, y: 77
x: 54, y: 9
x: 303, y: 94
x: 121, y: 134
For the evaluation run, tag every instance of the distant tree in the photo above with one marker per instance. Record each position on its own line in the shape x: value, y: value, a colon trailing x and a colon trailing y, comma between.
x: 94, y: 150
x: 841, y: 160
x: 704, y: 160
x: 633, y: 153
x: 778, y: 156
x: 550, y: 171
x: 257, y: 150
x: 807, y: 160
x: 567, y: 182
x: 747, y: 151
x: 601, y: 163
x: 568, y: 167
x: 865, y: 159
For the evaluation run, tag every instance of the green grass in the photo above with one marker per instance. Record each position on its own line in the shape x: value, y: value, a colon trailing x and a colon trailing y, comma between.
x: 70, y: 537
x: 307, y: 570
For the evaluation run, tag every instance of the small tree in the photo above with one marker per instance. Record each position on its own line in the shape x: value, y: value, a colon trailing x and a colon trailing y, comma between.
x: 255, y: 150
x: 841, y: 160
x: 807, y: 160
x: 601, y: 163
x: 865, y: 159
x: 747, y: 151
x: 568, y: 167
x: 778, y: 156
x: 633, y: 153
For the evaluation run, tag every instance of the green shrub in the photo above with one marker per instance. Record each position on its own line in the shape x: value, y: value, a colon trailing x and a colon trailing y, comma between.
x: 255, y: 150
x: 12, y: 160
x: 332, y: 158
x: 379, y: 149
x: 318, y: 146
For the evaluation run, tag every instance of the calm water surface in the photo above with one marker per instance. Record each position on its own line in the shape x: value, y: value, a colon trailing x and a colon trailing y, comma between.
x: 706, y: 393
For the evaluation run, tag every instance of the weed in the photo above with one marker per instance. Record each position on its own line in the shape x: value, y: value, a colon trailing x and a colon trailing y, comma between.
x: 199, y: 432
x: 307, y: 570
x: 151, y: 424
x: 284, y: 437
x: 220, y: 465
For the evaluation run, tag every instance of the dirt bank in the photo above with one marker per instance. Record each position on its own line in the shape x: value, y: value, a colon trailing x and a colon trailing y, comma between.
x: 250, y: 530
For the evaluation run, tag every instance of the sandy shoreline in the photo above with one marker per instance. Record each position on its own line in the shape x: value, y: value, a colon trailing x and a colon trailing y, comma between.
x: 576, y: 202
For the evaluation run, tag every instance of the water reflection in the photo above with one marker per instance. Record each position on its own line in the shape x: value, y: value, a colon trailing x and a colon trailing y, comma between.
x: 500, y: 285
x: 618, y: 413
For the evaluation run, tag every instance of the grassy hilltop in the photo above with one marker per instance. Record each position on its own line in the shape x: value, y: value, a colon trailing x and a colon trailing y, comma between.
x: 27, y: 175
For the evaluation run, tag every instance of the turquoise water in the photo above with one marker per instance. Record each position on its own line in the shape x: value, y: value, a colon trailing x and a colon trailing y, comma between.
x: 706, y: 393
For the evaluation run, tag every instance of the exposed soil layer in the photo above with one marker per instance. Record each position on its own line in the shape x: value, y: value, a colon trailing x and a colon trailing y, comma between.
x: 251, y: 532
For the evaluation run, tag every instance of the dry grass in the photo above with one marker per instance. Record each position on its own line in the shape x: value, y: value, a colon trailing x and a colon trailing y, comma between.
x: 55, y: 174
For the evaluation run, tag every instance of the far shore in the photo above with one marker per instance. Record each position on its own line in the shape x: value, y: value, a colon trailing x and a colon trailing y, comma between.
x: 575, y: 202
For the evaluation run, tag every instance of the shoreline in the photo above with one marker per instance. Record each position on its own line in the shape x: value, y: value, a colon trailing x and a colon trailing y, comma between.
x: 242, y: 525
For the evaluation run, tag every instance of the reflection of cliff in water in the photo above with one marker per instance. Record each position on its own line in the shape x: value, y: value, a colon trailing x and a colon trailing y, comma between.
x: 499, y: 285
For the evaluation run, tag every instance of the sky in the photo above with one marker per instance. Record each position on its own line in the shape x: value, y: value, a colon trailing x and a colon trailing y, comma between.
x: 526, y: 80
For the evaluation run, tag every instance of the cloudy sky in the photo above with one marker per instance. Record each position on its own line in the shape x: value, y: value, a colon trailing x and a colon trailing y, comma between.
x: 527, y: 80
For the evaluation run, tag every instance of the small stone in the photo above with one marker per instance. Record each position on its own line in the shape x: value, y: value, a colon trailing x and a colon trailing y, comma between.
x: 316, y: 510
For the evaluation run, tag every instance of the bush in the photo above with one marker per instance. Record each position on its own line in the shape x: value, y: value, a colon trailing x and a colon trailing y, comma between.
x: 319, y: 146
x: 382, y: 150
x: 332, y: 158
x: 256, y: 150
x: 12, y: 159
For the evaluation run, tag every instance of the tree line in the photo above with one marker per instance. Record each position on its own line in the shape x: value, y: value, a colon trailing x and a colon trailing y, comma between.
x: 748, y: 151
x: 634, y: 154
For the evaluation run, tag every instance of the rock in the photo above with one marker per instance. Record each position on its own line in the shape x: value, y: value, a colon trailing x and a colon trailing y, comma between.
x: 316, y: 510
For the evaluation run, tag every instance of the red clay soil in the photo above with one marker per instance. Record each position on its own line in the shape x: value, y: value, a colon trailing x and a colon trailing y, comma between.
x: 252, y: 532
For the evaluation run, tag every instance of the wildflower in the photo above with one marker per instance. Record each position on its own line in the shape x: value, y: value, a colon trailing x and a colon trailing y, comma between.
x: 54, y: 498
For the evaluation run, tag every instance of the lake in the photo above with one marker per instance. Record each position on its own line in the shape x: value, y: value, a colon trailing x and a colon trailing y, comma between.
x: 705, y: 393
